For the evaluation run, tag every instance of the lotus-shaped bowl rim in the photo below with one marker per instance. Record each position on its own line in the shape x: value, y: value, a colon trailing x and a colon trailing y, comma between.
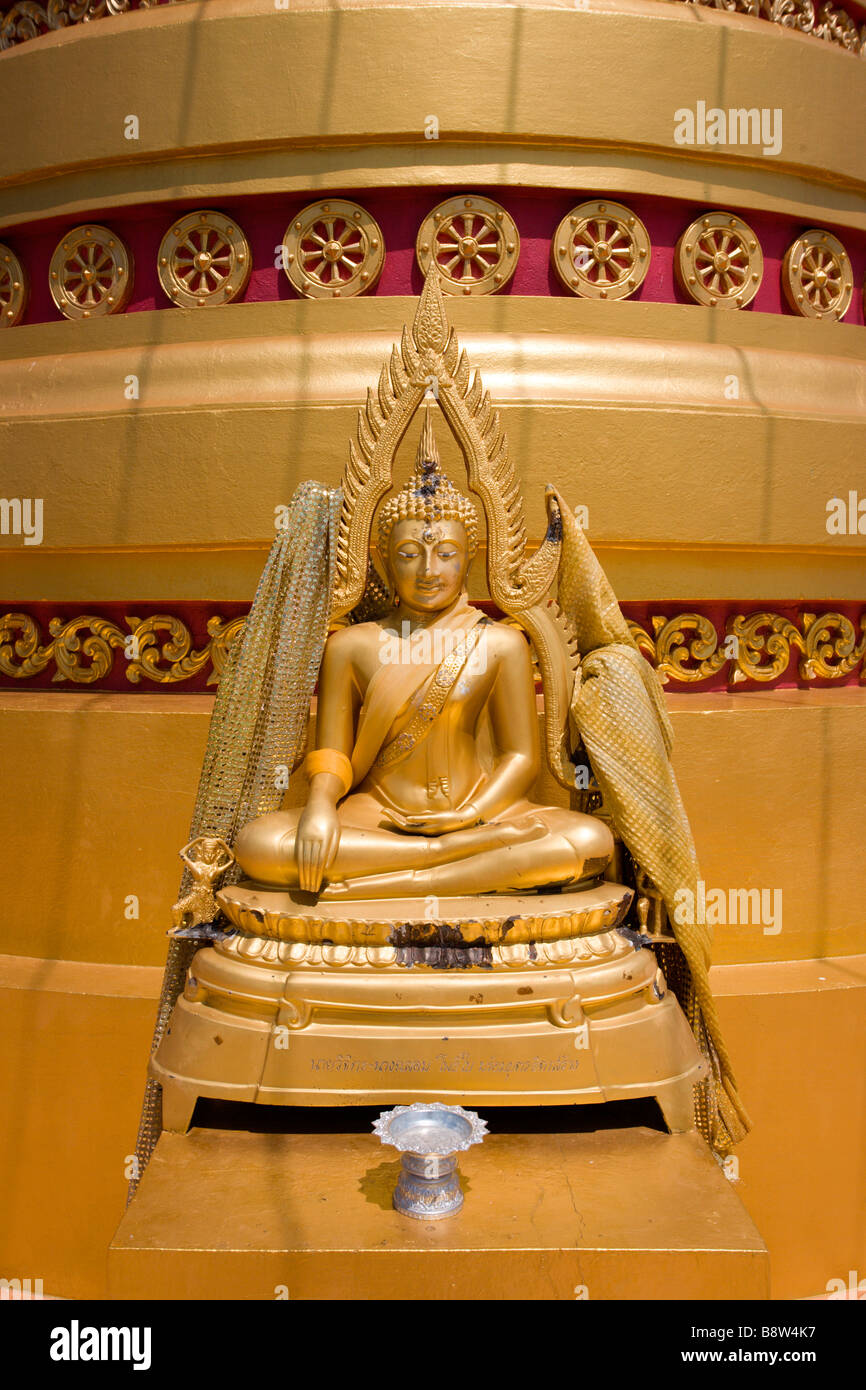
x: 474, y: 1128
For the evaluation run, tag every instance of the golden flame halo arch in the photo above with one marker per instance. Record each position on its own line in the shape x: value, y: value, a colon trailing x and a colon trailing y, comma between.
x: 520, y: 585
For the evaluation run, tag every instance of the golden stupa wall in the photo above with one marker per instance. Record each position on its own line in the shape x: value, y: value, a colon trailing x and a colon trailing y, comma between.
x: 695, y: 497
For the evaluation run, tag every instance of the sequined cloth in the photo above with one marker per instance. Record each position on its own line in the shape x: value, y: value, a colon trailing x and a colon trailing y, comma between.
x: 258, y: 729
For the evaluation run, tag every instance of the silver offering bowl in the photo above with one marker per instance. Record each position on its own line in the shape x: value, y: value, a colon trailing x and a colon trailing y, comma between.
x: 429, y: 1136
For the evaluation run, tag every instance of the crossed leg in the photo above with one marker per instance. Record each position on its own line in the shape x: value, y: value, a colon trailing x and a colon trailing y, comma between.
x: 536, y: 846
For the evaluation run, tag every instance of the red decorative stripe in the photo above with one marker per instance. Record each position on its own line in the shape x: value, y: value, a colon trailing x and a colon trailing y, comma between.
x: 400, y: 213
x: 80, y: 646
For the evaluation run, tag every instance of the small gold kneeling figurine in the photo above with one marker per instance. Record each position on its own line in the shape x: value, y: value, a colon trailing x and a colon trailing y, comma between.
x: 427, y: 738
x: 206, y: 858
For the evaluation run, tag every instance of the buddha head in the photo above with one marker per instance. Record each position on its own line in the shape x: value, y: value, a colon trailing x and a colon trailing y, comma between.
x: 428, y: 534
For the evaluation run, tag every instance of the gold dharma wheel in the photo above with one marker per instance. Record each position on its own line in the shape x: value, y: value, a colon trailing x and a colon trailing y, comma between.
x: 204, y: 260
x: 474, y: 243
x: 719, y: 261
x: 817, y: 277
x: 13, y: 288
x: 601, y: 250
x: 333, y: 249
x: 90, y: 274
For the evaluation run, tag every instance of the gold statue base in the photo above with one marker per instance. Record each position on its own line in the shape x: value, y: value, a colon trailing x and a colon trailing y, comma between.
x: 607, y: 1214
x: 532, y: 1000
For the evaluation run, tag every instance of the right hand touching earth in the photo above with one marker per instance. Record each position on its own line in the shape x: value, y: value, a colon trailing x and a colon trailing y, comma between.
x: 316, y: 843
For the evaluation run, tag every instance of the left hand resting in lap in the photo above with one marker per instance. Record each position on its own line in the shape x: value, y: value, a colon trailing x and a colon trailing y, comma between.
x: 437, y: 822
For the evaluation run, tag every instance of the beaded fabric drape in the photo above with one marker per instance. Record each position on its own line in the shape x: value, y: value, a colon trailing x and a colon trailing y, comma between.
x: 258, y: 728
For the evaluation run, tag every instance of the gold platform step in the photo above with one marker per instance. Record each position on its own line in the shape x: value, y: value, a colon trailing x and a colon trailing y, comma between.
x: 609, y: 1214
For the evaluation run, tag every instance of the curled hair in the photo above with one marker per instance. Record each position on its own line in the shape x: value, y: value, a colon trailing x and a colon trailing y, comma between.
x: 428, y: 496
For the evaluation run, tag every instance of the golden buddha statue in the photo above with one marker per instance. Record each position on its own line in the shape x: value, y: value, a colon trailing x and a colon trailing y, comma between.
x: 428, y: 738
x: 421, y: 927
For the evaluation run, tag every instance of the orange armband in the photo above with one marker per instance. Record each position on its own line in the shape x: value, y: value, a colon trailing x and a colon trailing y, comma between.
x: 330, y: 760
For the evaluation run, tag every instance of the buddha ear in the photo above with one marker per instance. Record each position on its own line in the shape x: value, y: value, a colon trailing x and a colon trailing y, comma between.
x: 470, y: 557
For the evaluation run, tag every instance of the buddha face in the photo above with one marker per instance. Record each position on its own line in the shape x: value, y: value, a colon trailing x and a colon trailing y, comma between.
x: 428, y: 561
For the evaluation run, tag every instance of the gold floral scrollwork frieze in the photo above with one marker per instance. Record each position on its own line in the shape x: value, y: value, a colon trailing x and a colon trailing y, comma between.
x: 644, y: 642
x: 685, y: 649
x: 22, y: 656
x: 222, y: 636
x: 764, y: 645
x: 825, y: 21
x: 144, y: 652
x: 836, y: 26
x: 822, y: 647
x: 83, y: 648
x: 71, y: 643
x: 676, y: 647
x: 27, y: 19
x: 756, y: 647
x: 828, y: 643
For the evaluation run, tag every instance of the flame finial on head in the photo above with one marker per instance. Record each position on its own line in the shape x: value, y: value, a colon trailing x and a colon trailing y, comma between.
x: 428, y: 496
